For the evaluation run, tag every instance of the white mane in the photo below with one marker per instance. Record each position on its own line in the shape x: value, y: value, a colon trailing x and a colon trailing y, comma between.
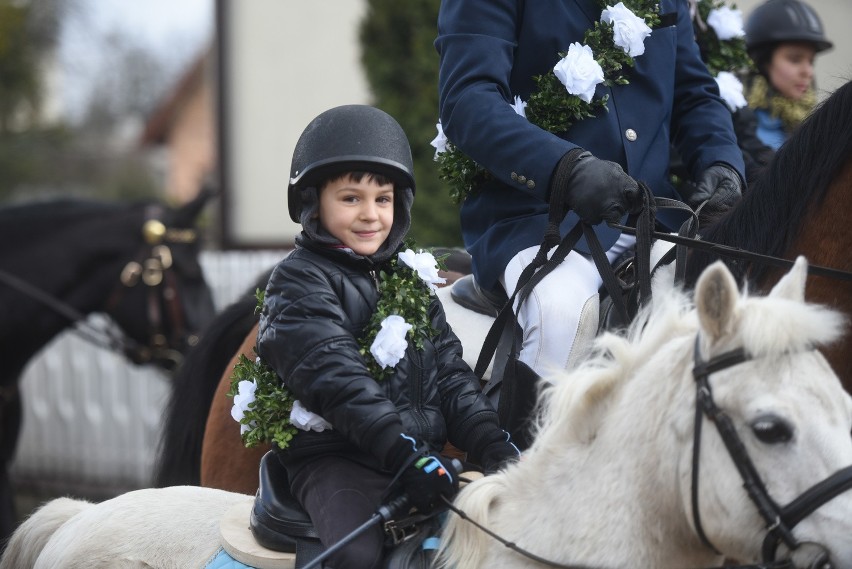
x: 767, y: 326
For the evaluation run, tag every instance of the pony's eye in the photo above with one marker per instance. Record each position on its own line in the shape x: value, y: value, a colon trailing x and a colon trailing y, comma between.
x: 772, y: 429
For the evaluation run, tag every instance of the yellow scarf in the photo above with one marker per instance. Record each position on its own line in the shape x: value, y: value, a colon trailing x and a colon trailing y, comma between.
x: 762, y: 96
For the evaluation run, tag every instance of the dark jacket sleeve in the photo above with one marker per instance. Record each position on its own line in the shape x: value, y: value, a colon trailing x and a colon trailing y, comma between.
x: 702, y: 129
x: 471, y: 418
x: 306, y: 336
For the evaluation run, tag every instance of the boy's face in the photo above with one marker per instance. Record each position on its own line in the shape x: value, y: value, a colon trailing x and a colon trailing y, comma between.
x: 358, y: 214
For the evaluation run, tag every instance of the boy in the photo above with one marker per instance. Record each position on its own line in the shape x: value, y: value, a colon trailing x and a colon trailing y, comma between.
x: 352, y: 188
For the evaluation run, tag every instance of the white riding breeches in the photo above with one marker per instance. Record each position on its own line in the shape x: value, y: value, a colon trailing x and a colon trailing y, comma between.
x: 551, y: 315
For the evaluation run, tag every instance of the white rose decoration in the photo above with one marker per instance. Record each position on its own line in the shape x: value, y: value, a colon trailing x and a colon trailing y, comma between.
x: 727, y: 23
x: 579, y: 71
x: 242, y: 401
x: 425, y: 265
x: 440, y: 141
x: 390, y: 343
x: 307, y: 420
x: 628, y: 30
x: 520, y: 107
x: 731, y: 90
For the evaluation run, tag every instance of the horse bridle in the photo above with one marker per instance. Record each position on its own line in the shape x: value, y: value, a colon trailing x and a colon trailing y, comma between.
x: 154, y: 268
x: 155, y: 271
x: 780, y: 521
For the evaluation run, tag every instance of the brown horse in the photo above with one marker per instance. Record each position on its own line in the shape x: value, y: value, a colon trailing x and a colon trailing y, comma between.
x: 799, y: 205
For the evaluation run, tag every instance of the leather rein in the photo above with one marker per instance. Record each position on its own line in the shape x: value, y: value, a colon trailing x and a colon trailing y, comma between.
x: 153, y: 266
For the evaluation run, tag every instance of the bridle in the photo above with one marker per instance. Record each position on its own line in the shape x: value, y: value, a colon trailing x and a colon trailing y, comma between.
x: 780, y: 520
x: 153, y: 266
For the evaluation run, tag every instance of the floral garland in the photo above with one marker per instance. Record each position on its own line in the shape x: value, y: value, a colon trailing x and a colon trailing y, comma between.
x: 566, y: 95
x: 266, y: 409
x: 721, y: 39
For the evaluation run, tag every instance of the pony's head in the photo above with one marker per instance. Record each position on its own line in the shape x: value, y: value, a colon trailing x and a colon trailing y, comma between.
x: 774, y: 420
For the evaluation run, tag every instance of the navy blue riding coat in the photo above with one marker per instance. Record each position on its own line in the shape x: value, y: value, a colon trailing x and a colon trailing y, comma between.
x: 490, y: 51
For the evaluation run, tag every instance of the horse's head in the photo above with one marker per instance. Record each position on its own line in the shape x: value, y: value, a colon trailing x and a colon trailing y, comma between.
x: 776, y: 416
x: 163, y: 301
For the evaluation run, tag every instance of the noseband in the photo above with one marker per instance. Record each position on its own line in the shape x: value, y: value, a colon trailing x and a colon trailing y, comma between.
x: 780, y: 521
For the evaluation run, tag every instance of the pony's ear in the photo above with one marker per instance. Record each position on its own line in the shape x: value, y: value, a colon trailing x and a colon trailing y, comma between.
x: 792, y: 285
x: 716, y: 296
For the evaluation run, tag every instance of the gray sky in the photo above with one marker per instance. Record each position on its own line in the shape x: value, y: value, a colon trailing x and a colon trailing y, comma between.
x: 176, y: 30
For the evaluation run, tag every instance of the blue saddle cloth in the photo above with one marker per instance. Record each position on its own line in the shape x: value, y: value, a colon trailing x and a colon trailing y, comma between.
x: 224, y: 561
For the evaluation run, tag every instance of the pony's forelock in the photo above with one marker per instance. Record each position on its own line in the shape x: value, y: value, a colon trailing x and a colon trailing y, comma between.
x: 771, y: 326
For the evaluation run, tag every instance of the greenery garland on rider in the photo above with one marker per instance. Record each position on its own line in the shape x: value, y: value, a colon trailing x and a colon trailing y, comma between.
x: 352, y: 188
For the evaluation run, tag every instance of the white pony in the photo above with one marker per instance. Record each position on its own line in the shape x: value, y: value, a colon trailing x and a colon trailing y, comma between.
x: 607, y: 481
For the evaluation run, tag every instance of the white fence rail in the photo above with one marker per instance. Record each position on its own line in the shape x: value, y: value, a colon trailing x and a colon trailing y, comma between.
x: 91, y: 419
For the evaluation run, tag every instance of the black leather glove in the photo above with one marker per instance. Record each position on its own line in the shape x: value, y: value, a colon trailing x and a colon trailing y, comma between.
x: 425, y: 476
x: 497, y: 454
x: 428, y: 478
x: 721, y: 187
x: 597, y: 190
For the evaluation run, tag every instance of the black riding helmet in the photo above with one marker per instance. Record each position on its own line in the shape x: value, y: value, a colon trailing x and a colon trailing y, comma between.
x: 350, y: 138
x: 777, y: 21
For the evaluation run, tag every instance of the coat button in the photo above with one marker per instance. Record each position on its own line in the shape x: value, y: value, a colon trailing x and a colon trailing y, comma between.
x: 630, y: 134
x: 514, y: 176
x: 522, y: 179
x: 530, y: 184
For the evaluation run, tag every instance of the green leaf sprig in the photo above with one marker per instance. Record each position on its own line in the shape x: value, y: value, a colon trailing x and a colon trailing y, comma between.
x: 719, y: 55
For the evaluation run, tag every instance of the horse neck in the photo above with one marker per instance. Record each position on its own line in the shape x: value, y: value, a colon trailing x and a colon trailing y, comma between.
x: 621, y: 491
x: 77, y: 263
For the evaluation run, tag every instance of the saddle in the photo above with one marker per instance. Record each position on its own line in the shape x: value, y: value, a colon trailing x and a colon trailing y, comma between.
x: 278, y: 521
x: 280, y: 534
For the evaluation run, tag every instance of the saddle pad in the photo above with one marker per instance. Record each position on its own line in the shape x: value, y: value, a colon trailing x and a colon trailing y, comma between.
x: 238, y: 542
x: 225, y: 561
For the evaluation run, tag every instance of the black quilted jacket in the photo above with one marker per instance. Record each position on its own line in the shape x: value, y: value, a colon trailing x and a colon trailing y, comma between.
x: 318, y: 302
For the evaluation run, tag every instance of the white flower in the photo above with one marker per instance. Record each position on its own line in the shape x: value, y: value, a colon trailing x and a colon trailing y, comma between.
x: 307, y: 420
x: 390, y: 343
x: 727, y: 23
x: 440, y: 141
x: 242, y: 401
x: 579, y: 71
x: 425, y: 265
x: 628, y: 30
x: 520, y: 107
x: 731, y: 90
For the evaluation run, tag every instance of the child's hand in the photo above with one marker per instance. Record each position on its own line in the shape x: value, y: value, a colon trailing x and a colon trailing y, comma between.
x: 427, y: 479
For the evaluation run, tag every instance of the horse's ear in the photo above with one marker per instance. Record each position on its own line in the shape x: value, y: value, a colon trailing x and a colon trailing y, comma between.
x: 716, y: 296
x: 792, y: 285
x: 185, y: 215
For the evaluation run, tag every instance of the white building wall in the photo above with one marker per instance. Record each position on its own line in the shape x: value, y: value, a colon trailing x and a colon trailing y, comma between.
x: 286, y: 63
